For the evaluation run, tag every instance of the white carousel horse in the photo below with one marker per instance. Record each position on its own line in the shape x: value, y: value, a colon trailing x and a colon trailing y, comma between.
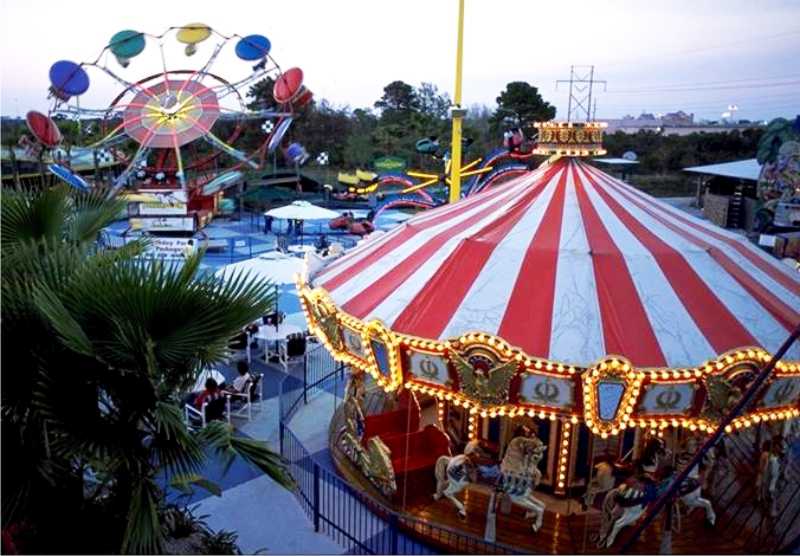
x: 691, y: 490
x: 767, y: 480
x: 519, y: 476
x: 626, y: 503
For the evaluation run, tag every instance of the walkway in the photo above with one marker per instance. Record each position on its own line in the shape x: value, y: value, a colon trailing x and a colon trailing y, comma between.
x: 266, y: 516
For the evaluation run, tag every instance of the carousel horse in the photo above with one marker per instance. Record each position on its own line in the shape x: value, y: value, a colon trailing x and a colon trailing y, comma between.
x: 626, y: 503
x: 690, y: 490
x: 518, y: 477
x: 769, y: 476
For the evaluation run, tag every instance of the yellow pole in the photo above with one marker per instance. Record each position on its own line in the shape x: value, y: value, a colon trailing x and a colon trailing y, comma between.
x: 458, y: 114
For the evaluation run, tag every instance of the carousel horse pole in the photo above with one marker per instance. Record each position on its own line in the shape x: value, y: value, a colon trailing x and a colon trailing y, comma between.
x: 743, y: 402
x: 490, y: 531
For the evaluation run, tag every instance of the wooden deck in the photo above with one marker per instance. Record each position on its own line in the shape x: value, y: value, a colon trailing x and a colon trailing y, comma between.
x: 741, y: 527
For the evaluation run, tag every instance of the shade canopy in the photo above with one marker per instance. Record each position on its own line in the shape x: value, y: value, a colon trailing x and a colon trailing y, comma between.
x: 748, y: 169
x: 302, y: 210
x: 273, y: 266
x: 570, y: 264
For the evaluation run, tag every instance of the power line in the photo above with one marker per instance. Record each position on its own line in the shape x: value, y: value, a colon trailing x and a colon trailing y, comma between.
x: 748, y: 41
x: 722, y: 82
x: 714, y: 88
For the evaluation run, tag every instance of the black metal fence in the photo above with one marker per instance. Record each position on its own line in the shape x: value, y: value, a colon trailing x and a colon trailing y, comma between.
x: 361, y: 524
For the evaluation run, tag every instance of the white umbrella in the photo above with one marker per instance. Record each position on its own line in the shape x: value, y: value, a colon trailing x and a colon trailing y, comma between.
x: 302, y: 210
x: 273, y: 266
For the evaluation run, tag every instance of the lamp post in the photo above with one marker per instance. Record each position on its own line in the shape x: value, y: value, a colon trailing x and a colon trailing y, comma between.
x: 458, y: 114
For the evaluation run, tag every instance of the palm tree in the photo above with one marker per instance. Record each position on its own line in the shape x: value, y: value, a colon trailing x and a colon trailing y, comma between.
x: 98, y: 347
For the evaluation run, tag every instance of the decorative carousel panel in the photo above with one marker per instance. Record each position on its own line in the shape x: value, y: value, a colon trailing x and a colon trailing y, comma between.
x: 547, y: 390
x: 325, y: 322
x: 667, y: 399
x: 483, y: 376
x: 382, y: 357
x: 610, y: 393
x: 609, y: 398
x: 782, y: 391
x: 353, y: 342
x: 428, y: 367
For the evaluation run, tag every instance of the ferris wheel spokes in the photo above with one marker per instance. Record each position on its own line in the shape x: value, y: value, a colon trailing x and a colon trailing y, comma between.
x: 137, y: 86
x: 215, y: 141
x: 178, y: 160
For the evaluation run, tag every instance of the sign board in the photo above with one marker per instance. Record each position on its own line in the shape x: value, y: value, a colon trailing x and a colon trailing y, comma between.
x: 547, y: 390
x: 167, y: 203
x: 171, y: 248
x: 163, y: 224
x: 766, y: 240
x: 389, y: 164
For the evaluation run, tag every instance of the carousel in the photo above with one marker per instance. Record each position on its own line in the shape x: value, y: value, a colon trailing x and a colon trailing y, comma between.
x: 550, y: 350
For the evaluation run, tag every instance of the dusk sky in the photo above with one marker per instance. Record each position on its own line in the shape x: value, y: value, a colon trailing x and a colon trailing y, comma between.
x: 694, y: 55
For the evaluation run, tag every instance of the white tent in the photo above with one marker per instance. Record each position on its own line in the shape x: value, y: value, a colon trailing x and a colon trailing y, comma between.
x: 273, y: 266
x: 748, y: 169
x: 302, y: 210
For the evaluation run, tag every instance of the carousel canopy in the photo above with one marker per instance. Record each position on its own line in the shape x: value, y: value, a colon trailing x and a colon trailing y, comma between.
x: 570, y: 264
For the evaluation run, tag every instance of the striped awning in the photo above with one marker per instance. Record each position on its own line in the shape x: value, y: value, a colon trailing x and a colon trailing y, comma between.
x: 569, y: 264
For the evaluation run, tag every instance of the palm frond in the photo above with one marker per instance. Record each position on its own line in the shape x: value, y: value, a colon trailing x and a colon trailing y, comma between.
x: 93, y: 211
x: 184, y: 484
x: 32, y: 215
x: 221, y: 438
x: 174, y: 447
x: 67, y: 328
x: 143, y: 534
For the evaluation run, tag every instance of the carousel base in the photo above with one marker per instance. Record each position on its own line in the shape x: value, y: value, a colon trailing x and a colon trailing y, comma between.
x: 567, y: 531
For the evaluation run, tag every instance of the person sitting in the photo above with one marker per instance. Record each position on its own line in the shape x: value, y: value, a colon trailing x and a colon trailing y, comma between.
x: 241, y: 382
x: 322, y: 243
x: 210, y: 393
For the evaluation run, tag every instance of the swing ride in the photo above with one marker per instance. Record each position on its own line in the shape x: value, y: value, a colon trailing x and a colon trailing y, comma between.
x: 182, y: 135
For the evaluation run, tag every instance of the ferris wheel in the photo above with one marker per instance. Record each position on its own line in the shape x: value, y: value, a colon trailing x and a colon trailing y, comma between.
x: 177, y: 126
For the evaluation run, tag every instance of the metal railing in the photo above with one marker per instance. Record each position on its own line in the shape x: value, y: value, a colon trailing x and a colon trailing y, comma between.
x: 361, y: 524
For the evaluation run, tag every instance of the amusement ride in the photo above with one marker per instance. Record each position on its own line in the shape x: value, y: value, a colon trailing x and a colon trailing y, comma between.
x: 559, y: 335
x: 183, y: 133
x: 567, y: 330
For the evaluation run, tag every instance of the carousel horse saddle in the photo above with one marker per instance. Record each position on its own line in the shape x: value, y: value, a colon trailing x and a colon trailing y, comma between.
x: 689, y: 485
x: 514, y: 484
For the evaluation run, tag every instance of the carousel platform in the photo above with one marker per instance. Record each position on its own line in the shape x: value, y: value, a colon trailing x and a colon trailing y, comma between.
x: 742, y: 526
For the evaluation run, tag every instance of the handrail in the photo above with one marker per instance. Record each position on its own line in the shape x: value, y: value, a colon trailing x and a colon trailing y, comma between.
x: 743, y: 402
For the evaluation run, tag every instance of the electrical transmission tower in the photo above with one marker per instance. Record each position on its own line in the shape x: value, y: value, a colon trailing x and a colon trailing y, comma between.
x: 581, y: 81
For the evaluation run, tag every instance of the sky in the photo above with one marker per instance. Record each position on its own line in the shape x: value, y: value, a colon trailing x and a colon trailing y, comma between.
x: 658, y: 56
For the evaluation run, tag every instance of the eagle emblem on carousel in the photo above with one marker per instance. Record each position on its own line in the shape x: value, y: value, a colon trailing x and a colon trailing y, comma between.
x: 483, y: 379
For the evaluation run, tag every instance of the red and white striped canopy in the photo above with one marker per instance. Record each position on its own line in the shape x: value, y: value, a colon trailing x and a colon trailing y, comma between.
x: 570, y: 264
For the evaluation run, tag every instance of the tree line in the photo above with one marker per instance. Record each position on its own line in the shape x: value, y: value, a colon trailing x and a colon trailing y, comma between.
x: 355, y: 137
